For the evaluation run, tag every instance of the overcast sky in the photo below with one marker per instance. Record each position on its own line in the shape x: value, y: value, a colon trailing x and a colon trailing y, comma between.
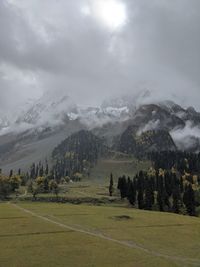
x: 96, y: 48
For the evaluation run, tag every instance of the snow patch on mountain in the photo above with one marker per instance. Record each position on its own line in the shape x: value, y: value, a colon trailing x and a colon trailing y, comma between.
x: 48, y: 111
x: 97, y: 117
x: 52, y: 111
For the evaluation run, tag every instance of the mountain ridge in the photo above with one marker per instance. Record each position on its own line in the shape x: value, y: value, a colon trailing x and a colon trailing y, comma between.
x: 62, y: 118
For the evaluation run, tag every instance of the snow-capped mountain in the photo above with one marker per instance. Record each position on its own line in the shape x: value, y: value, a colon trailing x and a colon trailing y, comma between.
x: 49, y: 109
x: 34, y: 131
x: 54, y: 111
x: 94, y: 117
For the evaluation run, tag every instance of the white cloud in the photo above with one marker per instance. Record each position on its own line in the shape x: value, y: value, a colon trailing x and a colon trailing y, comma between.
x: 51, y: 44
x: 151, y: 125
x: 187, y: 137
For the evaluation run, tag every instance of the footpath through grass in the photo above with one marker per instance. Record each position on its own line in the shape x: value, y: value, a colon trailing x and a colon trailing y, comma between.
x: 48, y: 234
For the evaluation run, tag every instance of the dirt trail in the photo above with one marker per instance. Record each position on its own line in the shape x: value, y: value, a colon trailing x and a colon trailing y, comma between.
x: 130, y: 244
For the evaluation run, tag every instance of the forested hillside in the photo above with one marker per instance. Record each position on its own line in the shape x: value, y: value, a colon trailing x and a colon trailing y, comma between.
x: 132, y: 142
x: 78, y: 153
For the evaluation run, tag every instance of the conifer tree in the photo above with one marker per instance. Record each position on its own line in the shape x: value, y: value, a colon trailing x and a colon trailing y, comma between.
x: 122, y: 186
x: 111, y: 189
x: 176, y: 199
x: 41, y: 171
x: 140, y: 199
x: 131, y: 192
x: 11, y: 173
x: 189, y: 200
x: 149, y: 195
x: 47, y: 169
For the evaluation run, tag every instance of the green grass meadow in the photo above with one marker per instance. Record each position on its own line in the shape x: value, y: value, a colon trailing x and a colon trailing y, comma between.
x: 128, y: 166
x: 95, y: 236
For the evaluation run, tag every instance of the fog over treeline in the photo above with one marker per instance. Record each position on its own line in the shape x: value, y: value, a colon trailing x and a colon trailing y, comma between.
x: 94, y: 49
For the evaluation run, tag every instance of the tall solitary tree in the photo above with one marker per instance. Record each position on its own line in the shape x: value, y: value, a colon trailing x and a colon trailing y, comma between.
x: 111, y: 188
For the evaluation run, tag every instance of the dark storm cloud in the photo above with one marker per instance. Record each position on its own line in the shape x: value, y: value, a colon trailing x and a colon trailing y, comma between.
x: 51, y: 45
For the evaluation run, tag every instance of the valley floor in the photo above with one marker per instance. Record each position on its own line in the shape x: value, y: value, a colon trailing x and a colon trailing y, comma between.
x: 49, y: 234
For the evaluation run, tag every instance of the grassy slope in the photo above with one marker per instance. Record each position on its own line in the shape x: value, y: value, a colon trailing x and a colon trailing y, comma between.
x: 118, y: 165
x: 97, y: 184
x: 30, y: 241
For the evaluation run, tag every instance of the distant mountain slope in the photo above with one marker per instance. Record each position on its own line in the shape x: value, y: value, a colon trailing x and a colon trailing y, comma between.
x: 188, y: 114
x: 83, y: 145
x: 182, y: 124
x: 21, y: 150
x: 78, y: 153
x: 48, y: 111
x: 152, y: 116
x: 45, y: 123
x: 152, y: 140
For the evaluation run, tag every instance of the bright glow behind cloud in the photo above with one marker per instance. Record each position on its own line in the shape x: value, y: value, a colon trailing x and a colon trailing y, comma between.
x: 110, y: 13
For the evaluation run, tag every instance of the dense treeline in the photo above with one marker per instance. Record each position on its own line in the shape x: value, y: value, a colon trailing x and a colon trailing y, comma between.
x: 162, y: 190
x: 57, y: 172
x: 70, y: 165
x: 182, y: 161
x: 38, y: 180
